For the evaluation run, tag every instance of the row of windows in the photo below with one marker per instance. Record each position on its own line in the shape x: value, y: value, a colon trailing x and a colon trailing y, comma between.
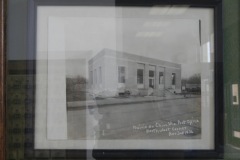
x: 140, y: 75
x: 96, y: 76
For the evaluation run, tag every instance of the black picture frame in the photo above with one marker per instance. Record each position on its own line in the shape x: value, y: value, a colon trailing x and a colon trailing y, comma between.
x: 133, y: 154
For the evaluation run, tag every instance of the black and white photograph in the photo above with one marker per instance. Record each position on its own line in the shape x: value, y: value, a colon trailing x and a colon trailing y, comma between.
x: 133, y: 97
x: 124, y: 77
x: 147, y: 88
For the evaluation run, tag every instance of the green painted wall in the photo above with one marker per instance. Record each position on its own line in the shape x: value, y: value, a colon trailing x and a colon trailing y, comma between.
x: 231, y: 36
x: 231, y: 28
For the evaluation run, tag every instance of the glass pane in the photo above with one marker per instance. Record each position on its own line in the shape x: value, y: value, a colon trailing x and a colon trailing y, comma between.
x: 121, y: 74
x: 140, y: 76
x: 151, y: 73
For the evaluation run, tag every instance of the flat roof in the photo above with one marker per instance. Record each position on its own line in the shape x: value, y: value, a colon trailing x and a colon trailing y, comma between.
x: 133, y: 57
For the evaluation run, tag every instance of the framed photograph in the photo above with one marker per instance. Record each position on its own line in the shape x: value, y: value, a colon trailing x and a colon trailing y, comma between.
x: 127, y: 79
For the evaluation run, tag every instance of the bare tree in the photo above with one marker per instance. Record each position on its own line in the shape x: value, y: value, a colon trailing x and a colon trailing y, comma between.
x: 195, y: 79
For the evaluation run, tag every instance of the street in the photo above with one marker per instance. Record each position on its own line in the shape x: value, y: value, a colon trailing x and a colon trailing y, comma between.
x: 171, y: 119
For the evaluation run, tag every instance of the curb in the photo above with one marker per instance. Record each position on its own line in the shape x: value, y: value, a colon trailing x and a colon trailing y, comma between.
x: 98, y: 103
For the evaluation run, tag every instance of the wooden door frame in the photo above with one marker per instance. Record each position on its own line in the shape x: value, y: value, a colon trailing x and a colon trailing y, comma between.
x: 3, y: 7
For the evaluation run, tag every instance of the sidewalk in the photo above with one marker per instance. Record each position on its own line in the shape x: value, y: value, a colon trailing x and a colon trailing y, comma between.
x: 124, y: 100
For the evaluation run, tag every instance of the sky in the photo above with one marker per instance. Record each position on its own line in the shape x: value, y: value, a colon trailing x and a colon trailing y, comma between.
x: 139, y: 31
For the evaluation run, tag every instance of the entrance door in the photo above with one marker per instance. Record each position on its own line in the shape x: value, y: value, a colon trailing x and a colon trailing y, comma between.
x: 151, y: 82
x: 152, y: 76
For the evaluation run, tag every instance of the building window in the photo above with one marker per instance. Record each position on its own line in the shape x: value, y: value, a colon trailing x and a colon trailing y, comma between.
x: 151, y: 73
x: 139, y: 76
x: 121, y: 74
x: 100, y: 75
x: 173, y: 78
x: 160, y: 77
x: 95, y: 76
x: 91, y: 77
